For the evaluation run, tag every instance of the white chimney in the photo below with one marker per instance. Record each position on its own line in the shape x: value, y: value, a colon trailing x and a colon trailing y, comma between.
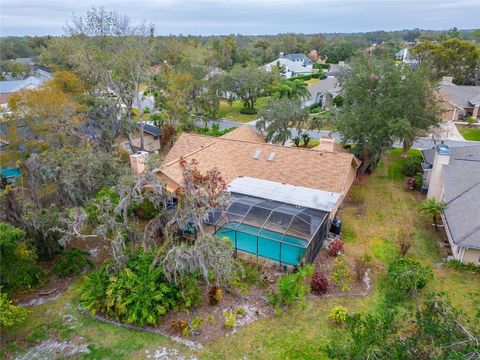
x: 447, y: 79
x: 281, y: 54
x: 138, y: 162
x: 442, y: 157
x: 327, y: 144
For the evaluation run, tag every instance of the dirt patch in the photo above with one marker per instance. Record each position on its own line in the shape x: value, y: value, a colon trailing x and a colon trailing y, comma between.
x: 51, y: 291
x: 54, y: 349
x: 164, y: 353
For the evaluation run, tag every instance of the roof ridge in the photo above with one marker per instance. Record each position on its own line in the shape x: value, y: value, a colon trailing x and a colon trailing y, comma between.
x: 269, y: 144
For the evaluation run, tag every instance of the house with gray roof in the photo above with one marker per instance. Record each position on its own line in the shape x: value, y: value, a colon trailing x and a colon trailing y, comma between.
x: 452, y: 175
x: 323, y: 91
x: 459, y: 101
x: 302, y: 58
x: 290, y: 68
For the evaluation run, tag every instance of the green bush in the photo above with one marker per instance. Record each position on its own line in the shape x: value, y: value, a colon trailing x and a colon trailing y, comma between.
x: 412, y: 166
x: 248, y: 111
x: 341, y: 274
x: 190, y: 293
x: 338, y: 101
x: 338, y: 314
x: 145, y: 210
x: 137, y: 294
x: 72, y: 262
x: 321, y: 66
x: 105, y: 196
x: 408, y: 275
x: 214, y: 131
x: 18, y: 261
x: 9, y: 313
x: 292, y: 288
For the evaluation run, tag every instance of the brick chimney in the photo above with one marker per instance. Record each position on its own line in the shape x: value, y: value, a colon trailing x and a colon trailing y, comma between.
x: 138, y: 162
x: 327, y: 144
x: 442, y: 157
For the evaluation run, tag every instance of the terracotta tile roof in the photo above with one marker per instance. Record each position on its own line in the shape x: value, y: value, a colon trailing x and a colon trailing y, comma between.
x: 322, y: 170
x: 246, y: 133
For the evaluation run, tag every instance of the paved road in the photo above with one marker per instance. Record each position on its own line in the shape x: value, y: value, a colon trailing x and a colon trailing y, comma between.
x: 420, y: 143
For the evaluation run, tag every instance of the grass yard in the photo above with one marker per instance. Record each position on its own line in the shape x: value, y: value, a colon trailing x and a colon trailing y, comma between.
x: 472, y: 134
x: 373, y: 214
x: 232, y: 112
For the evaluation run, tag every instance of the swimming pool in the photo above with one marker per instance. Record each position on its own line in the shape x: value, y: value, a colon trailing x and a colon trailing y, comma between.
x: 290, y: 251
x: 9, y: 172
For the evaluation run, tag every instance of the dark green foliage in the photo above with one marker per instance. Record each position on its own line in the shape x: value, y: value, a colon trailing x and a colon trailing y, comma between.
x: 409, y: 275
x: 412, y: 165
x: 434, y: 332
x: 455, y: 264
x: 338, y: 101
x: 18, y: 262
x: 190, y: 294
x: 321, y: 66
x: 72, y: 262
x: 145, y: 210
x: 248, y: 111
x: 136, y: 294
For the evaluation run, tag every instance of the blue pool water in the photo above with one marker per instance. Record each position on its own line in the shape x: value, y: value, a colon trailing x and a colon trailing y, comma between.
x: 290, y: 252
x: 10, y: 172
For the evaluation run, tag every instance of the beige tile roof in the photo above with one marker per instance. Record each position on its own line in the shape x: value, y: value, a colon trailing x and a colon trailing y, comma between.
x: 245, y: 133
x: 322, y: 170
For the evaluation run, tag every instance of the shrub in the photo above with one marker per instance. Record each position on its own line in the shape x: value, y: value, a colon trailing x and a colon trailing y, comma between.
x: 341, y: 274
x: 412, y: 166
x: 409, y: 275
x: 335, y: 247
x: 190, y: 294
x: 72, y: 262
x: 215, y: 295
x: 9, y: 313
x: 471, y: 120
x: 338, y: 101
x: 296, y: 140
x: 292, y: 288
x: 137, y: 294
x: 230, y: 319
x: 319, y: 283
x: 338, y: 314
x: 18, y: 262
x: 104, y: 196
x: 179, y: 326
x: 145, y: 210
x: 405, y: 238
x: 361, y: 265
x: 240, y: 311
x: 248, y: 111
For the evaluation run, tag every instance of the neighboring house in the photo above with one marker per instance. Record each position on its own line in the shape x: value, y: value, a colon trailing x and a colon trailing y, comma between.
x: 151, y: 138
x: 301, y: 58
x: 322, y: 92
x: 143, y: 102
x: 26, y: 61
x: 283, y: 199
x: 458, y: 101
x: 10, y: 87
x: 406, y: 57
x: 452, y: 175
x: 291, y: 68
x: 337, y: 70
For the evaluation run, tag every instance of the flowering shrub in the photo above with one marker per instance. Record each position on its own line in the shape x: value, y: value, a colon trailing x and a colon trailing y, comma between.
x: 215, y: 295
x: 319, y: 283
x: 335, y: 247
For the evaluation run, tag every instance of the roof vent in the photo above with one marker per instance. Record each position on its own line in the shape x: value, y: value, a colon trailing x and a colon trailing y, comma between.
x: 272, y: 155
x: 257, y: 154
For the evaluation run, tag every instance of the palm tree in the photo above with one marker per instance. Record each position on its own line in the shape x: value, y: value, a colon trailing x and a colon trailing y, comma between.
x: 433, y: 208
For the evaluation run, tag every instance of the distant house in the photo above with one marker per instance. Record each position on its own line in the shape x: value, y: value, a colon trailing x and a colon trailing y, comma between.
x: 337, y: 70
x: 151, y: 138
x: 10, y: 87
x: 290, y: 68
x: 323, y: 91
x: 458, y: 101
x: 452, y: 175
x: 406, y: 56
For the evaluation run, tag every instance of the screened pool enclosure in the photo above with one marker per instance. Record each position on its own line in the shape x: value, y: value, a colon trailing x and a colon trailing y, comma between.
x: 277, y: 231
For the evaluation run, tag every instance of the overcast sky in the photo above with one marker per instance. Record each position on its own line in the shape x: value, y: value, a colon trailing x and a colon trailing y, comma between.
x: 206, y: 17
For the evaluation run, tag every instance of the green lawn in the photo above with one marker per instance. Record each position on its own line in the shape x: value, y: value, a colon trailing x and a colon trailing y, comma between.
x: 472, y: 134
x: 232, y: 112
x: 373, y: 214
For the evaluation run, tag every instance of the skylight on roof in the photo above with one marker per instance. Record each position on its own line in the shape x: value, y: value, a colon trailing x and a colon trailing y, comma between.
x: 257, y: 154
x: 272, y: 155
